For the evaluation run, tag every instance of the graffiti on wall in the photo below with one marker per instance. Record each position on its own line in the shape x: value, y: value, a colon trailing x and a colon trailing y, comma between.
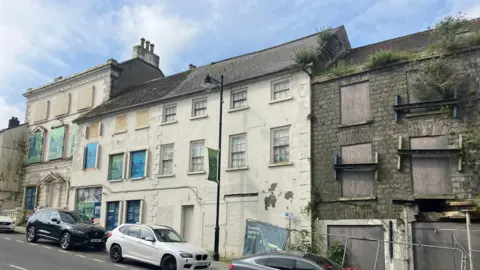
x: 89, y: 202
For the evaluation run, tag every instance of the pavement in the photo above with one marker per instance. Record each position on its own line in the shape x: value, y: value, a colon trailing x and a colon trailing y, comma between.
x: 17, y: 254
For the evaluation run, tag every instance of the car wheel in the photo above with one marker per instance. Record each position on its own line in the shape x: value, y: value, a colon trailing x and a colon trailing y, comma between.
x: 116, y: 254
x: 169, y: 263
x: 31, y: 235
x: 65, y: 241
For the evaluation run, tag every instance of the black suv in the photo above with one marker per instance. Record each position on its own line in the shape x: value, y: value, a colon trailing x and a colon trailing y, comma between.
x: 64, y: 226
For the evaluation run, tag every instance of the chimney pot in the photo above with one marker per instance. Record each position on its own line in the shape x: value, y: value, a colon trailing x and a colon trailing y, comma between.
x: 152, y: 46
x: 148, y: 44
x: 142, y: 42
x: 13, y: 122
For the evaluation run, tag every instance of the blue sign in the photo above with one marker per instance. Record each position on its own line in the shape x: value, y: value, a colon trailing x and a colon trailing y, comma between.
x: 263, y: 237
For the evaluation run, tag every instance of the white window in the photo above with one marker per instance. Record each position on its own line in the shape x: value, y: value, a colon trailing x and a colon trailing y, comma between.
x: 281, y: 145
x: 197, y: 149
x: 239, y: 99
x: 238, y: 148
x: 199, y: 107
x: 166, y: 152
x: 169, y: 113
x: 281, y: 89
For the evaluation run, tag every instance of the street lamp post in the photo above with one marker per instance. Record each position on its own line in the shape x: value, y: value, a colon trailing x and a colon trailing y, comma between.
x: 210, y: 80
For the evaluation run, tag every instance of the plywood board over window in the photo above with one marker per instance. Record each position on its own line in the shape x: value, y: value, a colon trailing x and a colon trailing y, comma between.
x: 40, y: 111
x: 357, y: 184
x: 431, y: 174
x: 94, y: 129
x: 85, y: 98
x: 121, y: 124
x: 355, y: 103
x: 142, y: 119
x: 62, y: 104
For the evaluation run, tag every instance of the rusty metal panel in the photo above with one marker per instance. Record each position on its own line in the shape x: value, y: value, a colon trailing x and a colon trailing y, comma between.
x: 443, y: 234
x: 355, y: 103
x: 431, y: 175
x: 361, y: 253
x: 120, y: 123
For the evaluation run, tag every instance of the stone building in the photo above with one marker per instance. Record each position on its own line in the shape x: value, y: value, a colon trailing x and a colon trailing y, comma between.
x: 386, y: 154
x: 149, y: 161
x: 50, y: 110
x: 12, y: 148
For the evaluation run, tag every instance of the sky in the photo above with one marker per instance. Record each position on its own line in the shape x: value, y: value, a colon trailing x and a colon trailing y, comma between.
x: 44, y: 39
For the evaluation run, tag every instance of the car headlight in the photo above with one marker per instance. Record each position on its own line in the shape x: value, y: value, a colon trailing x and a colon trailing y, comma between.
x: 185, y: 254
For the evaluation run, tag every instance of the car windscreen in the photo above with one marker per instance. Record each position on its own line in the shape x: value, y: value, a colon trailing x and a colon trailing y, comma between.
x: 168, y: 235
x: 71, y: 218
x: 323, y: 262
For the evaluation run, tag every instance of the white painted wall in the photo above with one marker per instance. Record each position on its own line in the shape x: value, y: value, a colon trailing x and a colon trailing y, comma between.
x: 100, y: 81
x: 164, y: 196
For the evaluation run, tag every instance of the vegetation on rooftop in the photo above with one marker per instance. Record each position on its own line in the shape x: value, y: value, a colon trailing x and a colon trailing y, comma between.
x: 384, y: 57
x: 451, y: 34
x: 310, y: 54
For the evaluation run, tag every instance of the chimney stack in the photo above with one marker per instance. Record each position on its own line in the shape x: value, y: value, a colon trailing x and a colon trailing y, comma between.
x: 13, y: 122
x: 145, y: 51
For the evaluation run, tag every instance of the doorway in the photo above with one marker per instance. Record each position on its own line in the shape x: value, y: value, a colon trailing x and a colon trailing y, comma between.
x: 187, y: 223
x: 112, y: 215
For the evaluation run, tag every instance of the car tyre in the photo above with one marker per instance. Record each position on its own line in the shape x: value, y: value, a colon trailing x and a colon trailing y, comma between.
x: 116, y: 254
x: 65, y: 241
x: 169, y: 263
x: 31, y: 235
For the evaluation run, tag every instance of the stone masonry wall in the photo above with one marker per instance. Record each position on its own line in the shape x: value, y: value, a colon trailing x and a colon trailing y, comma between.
x: 383, y: 132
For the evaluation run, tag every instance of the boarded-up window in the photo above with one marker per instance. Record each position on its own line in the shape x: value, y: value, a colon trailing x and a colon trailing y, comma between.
x: 73, y: 136
x: 93, y: 130
x: 57, y: 139
x: 62, y: 104
x: 116, y: 167
x: 138, y: 164
x: 357, y: 184
x: 91, y: 156
x: 120, y: 123
x: 35, y: 148
x: 85, y: 98
x: 431, y: 174
x: 142, y: 119
x: 40, y: 111
x: 355, y: 103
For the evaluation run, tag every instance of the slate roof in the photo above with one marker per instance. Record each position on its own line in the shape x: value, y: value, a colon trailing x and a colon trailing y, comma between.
x: 236, y: 69
x: 415, y: 42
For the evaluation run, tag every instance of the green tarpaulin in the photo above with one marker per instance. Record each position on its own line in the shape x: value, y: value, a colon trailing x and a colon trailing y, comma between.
x: 35, y: 147
x: 212, y: 164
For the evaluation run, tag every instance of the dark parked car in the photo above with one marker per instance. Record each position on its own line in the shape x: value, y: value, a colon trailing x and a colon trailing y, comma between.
x: 284, y: 261
x: 66, y: 227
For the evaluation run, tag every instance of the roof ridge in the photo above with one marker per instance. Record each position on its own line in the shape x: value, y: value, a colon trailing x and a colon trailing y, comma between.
x: 269, y: 48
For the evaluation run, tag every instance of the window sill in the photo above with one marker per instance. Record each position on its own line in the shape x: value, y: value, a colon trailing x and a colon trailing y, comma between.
x: 280, y: 100
x: 356, y: 124
x: 120, y: 132
x: 346, y: 199
x: 433, y: 197
x: 115, y: 180
x: 280, y: 164
x: 140, y: 128
x: 239, y: 109
x: 137, y: 178
x: 236, y: 169
x: 199, y: 117
x: 195, y: 173
x: 90, y: 169
x: 166, y: 175
x: 168, y: 123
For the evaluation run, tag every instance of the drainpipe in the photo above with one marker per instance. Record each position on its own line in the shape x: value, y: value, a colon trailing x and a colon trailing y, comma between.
x: 407, y: 237
x: 470, y: 258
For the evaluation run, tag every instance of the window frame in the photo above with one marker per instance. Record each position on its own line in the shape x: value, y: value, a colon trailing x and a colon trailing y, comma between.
x: 231, y: 151
x: 287, y: 91
x: 44, y: 134
x: 194, y: 110
x: 165, y: 116
x: 343, y: 114
x: 191, y: 157
x: 162, y: 160
x: 236, y: 92
x: 125, y: 212
x: 109, y: 176
x: 272, y: 145
x: 145, y: 170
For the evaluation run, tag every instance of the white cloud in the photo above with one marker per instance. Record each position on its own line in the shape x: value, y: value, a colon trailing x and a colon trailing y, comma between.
x: 7, y: 111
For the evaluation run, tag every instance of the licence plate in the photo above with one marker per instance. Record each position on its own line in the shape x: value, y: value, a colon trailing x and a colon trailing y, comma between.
x: 96, y: 240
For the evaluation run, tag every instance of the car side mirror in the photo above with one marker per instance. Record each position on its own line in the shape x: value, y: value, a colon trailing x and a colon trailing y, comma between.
x: 149, y: 239
x: 55, y: 220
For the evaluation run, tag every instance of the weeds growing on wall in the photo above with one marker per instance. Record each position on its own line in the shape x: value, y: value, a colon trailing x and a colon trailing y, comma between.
x: 384, y: 57
x: 340, y: 68
x: 305, y: 55
x: 335, y: 253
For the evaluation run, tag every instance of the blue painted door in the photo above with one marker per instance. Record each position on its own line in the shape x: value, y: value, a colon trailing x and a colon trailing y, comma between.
x: 112, y: 215
x: 133, y: 212
x: 30, y: 197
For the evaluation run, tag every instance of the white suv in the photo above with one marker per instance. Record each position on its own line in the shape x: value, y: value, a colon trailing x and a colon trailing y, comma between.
x: 157, y: 245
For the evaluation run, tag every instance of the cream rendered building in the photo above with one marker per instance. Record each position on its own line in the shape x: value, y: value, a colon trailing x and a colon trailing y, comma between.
x: 150, y: 160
